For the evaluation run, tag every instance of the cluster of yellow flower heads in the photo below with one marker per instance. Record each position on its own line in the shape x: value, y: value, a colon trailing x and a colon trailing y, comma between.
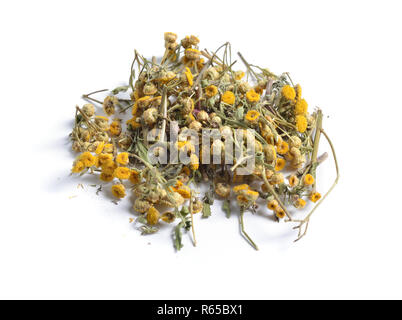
x: 199, y: 95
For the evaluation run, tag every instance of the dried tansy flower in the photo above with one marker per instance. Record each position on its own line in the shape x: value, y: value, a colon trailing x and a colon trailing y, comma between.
x: 228, y: 132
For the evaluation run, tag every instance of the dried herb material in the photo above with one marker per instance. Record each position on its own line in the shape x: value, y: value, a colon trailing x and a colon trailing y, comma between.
x: 194, y: 117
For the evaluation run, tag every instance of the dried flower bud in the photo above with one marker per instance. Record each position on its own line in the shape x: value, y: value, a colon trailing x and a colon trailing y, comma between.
x: 175, y: 200
x: 109, y: 105
x: 144, y: 102
x: 192, y: 54
x: 141, y: 205
x: 293, y: 180
x: 222, y: 189
x: 295, y: 142
x: 272, y: 205
x: 150, y: 116
x: 295, y: 152
x: 195, y: 125
x: 211, y: 74
x: 188, y: 105
x: 298, y: 162
x: 77, y: 146
x: 218, y: 148
x: 85, y: 135
x: 170, y: 37
x: 279, y: 213
x: 244, y: 87
x: 170, y: 45
x: 102, y: 136
x: 226, y: 132
x: 153, y: 216
x: 270, y: 152
x: 108, y: 148
x: 150, y: 89
x: 197, y: 206
x: 216, y: 121
x: 88, y: 109
x: 277, y: 178
x: 202, y: 116
x: 102, y: 123
x: 168, y: 217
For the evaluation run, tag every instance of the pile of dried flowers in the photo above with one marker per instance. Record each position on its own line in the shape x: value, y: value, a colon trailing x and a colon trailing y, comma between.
x: 192, y: 90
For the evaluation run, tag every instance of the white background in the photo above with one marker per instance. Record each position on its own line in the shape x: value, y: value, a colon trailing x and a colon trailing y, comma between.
x: 345, y: 54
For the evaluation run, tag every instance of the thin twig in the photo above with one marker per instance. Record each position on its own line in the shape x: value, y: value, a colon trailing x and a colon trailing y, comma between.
x: 192, y: 218
x: 243, y: 231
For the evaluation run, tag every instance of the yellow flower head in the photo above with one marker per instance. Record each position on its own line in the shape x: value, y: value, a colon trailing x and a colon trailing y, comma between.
x: 189, y: 76
x: 242, y: 200
x: 168, y: 217
x: 186, y: 171
x: 168, y: 76
x: 119, y: 191
x: 252, y: 116
x: 104, y: 157
x: 300, y: 203
x: 133, y: 123
x: 282, y: 147
x: 272, y: 205
x: 252, y: 96
x: 298, y: 92
x: 194, y: 162
x: 108, y: 148
x: 170, y: 36
x: 115, y: 128
x: 109, y: 105
x: 280, y: 164
x: 106, y: 177
x: 78, y: 167
x: 192, y: 54
x: 153, y: 216
x: 135, y: 177
x: 280, y: 214
x: 144, y: 102
x: 258, y: 90
x: 100, y: 147
x: 109, y: 166
x: 308, y: 179
x: 301, y: 123
x: 239, y: 75
x: 301, y: 107
x: 122, y: 173
x: 241, y: 187
x: 288, y: 92
x: 228, y: 97
x: 200, y: 64
x: 184, y: 191
x: 87, y: 159
x: 97, y: 162
x: 122, y: 158
x: 315, y: 196
x: 251, y: 195
x: 293, y: 181
x: 211, y: 91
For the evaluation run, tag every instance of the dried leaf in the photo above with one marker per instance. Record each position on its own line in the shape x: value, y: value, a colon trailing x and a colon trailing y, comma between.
x: 226, y: 208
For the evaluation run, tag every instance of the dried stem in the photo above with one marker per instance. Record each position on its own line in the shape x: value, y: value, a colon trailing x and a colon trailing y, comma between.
x: 307, y: 219
x: 315, y: 147
x: 243, y: 231
x: 87, y: 96
x: 247, y: 65
x: 192, y: 218
x: 164, y: 112
x: 87, y: 120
